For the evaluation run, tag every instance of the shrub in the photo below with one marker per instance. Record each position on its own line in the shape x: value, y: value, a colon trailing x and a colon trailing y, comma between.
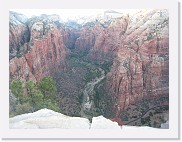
x: 48, y: 87
x: 17, y: 90
x: 18, y: 55
x: 149, y: 36
x: 23, y: 108
x: 52, y: 105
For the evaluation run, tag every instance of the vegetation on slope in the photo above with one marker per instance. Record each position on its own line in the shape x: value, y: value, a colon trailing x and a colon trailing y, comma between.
x: 36, y: 96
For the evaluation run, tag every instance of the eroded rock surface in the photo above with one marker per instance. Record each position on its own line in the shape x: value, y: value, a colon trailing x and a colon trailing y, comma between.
x: 43, y: 55
x: 141, y: 68
x: 132, y: 49
x: 18, y: 33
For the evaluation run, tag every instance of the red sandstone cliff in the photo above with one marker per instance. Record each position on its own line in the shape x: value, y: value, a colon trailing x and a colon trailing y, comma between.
x: 141, y: 67
x: 139, y: 47
x: 101, y: 38
x: 18, y: 33
x: 43, y: 55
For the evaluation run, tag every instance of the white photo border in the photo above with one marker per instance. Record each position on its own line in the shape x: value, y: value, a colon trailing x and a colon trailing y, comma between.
x: 128, y: 133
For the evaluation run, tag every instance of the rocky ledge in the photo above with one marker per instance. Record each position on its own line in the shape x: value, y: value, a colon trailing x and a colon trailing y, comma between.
x: 48, y: 119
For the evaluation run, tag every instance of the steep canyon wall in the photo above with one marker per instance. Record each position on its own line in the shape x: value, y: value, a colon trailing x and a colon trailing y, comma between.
x: 43, y: 54
x: 137, y: 46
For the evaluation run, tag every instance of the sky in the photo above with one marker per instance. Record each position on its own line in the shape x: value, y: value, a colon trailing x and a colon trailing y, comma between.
x: 66, y: 14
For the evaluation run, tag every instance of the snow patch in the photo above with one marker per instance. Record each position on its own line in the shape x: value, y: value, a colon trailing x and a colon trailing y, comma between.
x: 101, y: 122
x: 48, y: 119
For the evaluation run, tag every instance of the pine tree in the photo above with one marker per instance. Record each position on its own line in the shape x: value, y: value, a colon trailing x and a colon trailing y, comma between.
x: 35, y: 96
x: 17, y: 90
x: 48, y: 87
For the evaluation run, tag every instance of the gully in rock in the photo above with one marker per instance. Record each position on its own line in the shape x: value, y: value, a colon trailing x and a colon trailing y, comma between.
x: 87, y: 103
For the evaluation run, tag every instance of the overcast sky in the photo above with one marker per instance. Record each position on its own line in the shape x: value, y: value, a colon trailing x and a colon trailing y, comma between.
x: 69, y: 13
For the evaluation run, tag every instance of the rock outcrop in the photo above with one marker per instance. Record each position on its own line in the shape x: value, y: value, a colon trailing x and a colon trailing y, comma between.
x: 138, y: 47
x: 18, y: 33
x: 48, y: 119
x: 43, y: 55
x: 100, y: 39
x: 48, y: 54
x: 141, y: 68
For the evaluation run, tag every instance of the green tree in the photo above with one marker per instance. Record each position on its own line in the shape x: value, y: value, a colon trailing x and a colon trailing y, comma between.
x: 35, y: 96
x: 39, y: 95
x: 30, y: 86
x: 48, y: 87
x: 38, y: 99
x: 23, y: 108
x: 17, y: 90
x: 142, y: 120
x: 53, y: 105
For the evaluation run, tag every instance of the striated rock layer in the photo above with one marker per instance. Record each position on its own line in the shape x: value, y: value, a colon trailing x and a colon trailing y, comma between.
x: 138, y: 47
x: 18, y: 33
x: 141, y: 68
x: 43, y: 55
x: 101, y: 39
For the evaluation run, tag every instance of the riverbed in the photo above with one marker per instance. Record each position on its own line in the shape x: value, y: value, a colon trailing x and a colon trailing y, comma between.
x: 87, y: 102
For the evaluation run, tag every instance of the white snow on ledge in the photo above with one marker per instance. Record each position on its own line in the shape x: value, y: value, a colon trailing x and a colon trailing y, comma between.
x: 48, y: 119
x: 101, y: 122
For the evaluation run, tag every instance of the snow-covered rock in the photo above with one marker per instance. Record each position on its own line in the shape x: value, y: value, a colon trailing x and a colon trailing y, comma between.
x: 101, y: 122
x: 48, y: 119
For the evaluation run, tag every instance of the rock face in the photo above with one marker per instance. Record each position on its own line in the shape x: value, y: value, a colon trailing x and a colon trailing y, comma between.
x: 48, y: 54
x: 18, y: 33
x: 141, y: 68
x: 102, y: 38
x: 70, y: 36
x: 43, y: 55
x: 19, y: 69
x: 138, y: 47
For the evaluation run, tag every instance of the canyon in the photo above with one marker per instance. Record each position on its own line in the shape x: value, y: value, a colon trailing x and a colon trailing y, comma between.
x: 118, y: 67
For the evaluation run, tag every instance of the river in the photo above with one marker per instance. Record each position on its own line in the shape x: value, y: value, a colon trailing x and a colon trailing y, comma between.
x: 87, y: 103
